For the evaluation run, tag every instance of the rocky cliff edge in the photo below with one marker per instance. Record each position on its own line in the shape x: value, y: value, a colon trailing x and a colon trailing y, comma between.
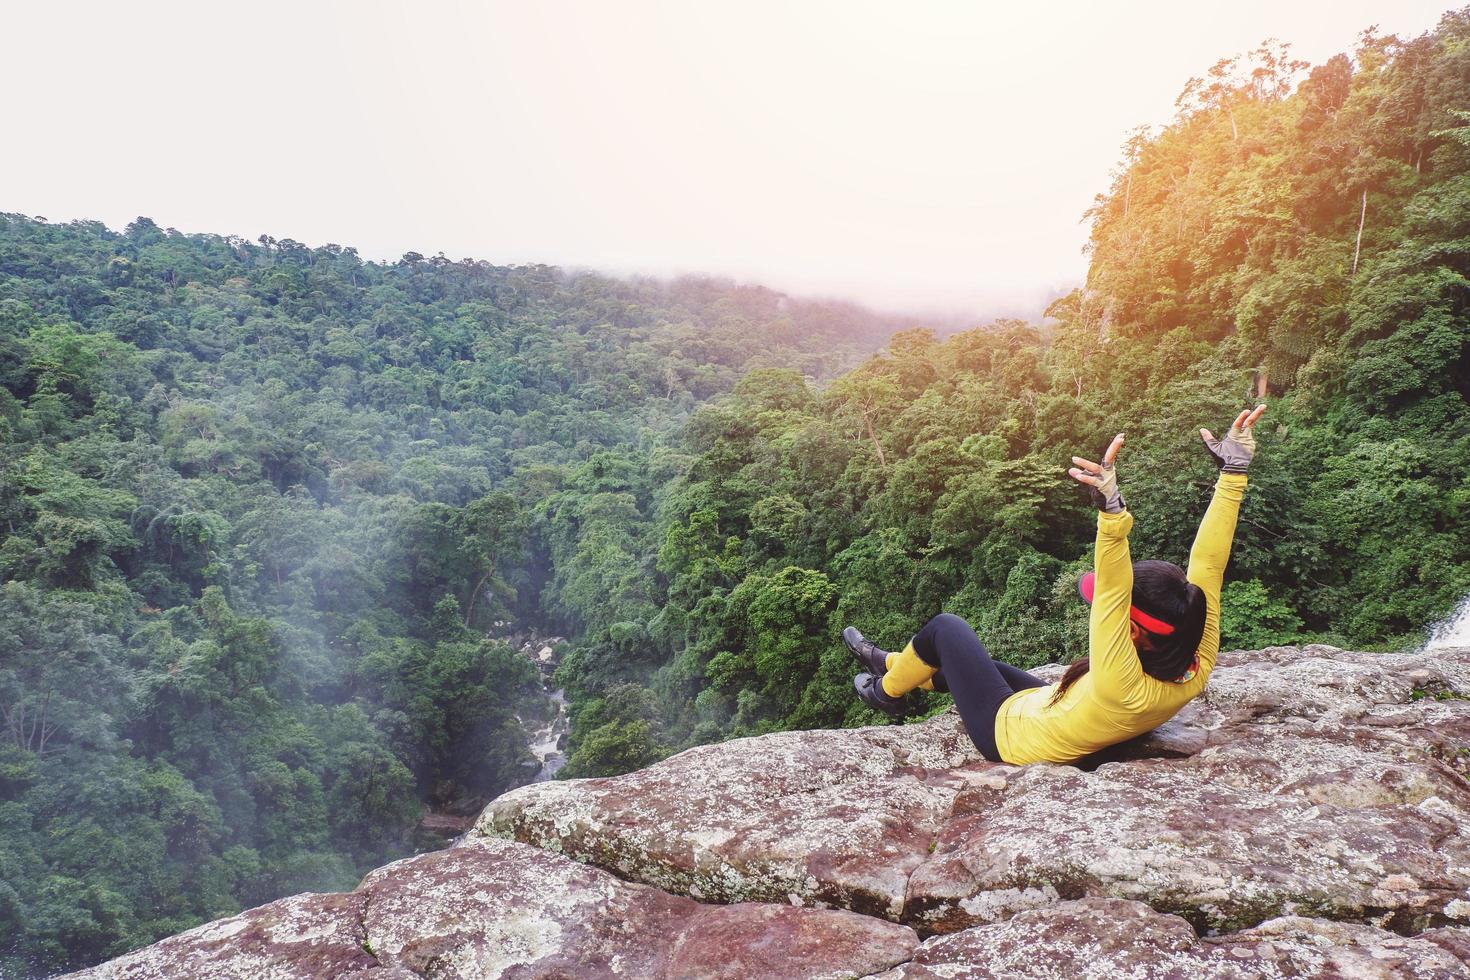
x: 1309, y: 816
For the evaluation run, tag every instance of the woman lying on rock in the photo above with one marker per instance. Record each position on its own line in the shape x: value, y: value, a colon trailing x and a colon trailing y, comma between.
x: 1153, y: 634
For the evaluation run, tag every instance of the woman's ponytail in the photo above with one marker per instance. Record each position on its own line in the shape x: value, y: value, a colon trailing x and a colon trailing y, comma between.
x: 1072, y: 676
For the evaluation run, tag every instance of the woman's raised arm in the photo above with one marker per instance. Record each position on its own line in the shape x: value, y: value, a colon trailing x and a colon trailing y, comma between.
x: 1115, y: 664
x: 1211, y: 551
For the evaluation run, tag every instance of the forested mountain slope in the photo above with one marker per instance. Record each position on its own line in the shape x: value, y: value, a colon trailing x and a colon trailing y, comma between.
x: 261, y: 502
x: 1233, y: 257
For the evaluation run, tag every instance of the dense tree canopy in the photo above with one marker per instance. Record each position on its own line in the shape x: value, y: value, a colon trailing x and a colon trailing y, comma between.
x: 262, y: 503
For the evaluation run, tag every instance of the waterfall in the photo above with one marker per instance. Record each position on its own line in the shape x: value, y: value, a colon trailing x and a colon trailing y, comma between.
x: 546, y: 741
x: 1453, y: 630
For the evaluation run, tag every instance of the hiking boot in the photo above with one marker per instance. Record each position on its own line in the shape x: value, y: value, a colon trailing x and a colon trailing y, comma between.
x: 874, y: 660
x: 870, y: 691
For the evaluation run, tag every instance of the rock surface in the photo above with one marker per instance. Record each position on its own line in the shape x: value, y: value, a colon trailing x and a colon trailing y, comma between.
x: 493, y: 908
x: 1307, y: 781
x: 1309, y: 816
x: 302, y: 936
x: 834, y: 817
x: 1107, y: 938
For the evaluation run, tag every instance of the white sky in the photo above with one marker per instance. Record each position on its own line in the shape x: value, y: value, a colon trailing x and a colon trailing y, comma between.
x: 919, y: 155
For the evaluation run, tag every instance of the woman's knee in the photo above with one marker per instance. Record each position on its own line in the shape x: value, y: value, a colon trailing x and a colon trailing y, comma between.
x: 948, y: 621
x: 949, y: 625
x: 944, y: 630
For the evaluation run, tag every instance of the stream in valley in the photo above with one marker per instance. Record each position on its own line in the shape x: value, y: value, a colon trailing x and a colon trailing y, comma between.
x: 546, y: 739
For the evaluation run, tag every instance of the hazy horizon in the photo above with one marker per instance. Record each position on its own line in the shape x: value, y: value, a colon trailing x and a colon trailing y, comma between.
x: 932, y: 159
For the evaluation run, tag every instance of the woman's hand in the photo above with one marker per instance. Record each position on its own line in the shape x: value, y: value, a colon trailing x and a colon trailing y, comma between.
x: 1233, y: 454
x: 1101, y: 479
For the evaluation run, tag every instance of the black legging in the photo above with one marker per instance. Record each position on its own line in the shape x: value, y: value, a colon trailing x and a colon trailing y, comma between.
x: 979, y: 685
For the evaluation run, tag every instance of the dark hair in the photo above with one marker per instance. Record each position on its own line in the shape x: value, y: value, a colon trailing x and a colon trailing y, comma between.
x: 1161, y: 590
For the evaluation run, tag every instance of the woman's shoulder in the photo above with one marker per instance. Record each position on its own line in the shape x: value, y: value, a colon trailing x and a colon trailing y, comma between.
x: 1154, y: 693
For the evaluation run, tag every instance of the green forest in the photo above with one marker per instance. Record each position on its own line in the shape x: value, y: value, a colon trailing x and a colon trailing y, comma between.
x: 264, y: 503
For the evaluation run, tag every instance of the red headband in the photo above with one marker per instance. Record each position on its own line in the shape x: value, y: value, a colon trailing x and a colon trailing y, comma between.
x: 1148, y: 622
x: 1151, y: 623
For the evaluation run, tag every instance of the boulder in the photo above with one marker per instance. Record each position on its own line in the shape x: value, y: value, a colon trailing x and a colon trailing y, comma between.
x: 492, y: 908
x: 302, y: 937
x: 1183, y: 839
x: 1307, y: 781
x: 838, y: 818
x: 489, y: 908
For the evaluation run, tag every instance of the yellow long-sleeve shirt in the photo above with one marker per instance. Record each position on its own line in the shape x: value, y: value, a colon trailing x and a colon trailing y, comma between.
x: 1115, y: 699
